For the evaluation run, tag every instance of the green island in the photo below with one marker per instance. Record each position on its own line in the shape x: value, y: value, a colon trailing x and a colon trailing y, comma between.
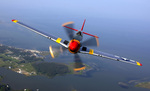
x: 143, y: 85
x: 19, y: 60
x: 31, y: 62
x: 140, y: 83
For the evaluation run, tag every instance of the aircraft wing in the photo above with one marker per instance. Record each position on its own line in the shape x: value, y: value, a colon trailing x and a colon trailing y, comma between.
x: 86, y: 50
x: 51, y: 37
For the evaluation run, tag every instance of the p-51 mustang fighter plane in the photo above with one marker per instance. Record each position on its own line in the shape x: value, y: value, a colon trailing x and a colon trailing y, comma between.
x: 75, y: 46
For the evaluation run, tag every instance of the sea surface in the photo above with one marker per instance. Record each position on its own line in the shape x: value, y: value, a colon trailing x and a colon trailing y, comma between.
x: 127, y: 38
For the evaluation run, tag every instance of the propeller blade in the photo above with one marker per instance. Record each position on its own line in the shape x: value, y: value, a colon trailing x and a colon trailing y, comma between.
x: 78, y: 65
x: 91, y: 42
x: 56, y: 51
x: 83, y: 24
x: 51, y: 52
x: 68, y: 28
x: 90, y: 34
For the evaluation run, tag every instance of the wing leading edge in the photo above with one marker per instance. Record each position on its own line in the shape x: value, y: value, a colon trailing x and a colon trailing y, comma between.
x: 86, y: 50
x: 51, y: 37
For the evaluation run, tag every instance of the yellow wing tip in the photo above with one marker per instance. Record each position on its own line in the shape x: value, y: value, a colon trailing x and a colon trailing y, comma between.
x: 138, y: 63
x: 14, y: 20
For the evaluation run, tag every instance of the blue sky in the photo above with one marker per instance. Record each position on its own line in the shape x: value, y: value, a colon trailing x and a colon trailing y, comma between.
x: 112, y: 9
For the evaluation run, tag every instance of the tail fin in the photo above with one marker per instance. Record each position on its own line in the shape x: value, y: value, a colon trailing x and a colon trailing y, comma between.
x: 64, y: 25
x: 83, y: 24
x: 85, y: 32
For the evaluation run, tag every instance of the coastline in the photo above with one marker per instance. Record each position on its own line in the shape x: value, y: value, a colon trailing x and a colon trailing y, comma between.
x: 24, y: 61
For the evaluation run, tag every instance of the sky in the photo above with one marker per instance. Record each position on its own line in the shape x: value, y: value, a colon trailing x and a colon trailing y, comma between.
x: 111, y: 9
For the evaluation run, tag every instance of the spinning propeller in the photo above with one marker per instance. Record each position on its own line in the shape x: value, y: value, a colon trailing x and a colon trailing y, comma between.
x: 93, y: 41
x: 68, y: 24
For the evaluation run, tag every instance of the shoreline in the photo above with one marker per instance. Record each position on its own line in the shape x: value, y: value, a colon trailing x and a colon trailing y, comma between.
x: 22, y: 60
